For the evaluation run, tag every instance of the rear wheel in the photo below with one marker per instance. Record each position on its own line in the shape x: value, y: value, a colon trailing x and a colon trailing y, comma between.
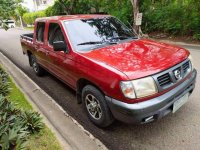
x: 96, y: 107
x: 36, y: 67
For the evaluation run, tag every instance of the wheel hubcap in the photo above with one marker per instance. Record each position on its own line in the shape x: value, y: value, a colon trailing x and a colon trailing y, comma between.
x: 35, y: 66
x: 93, y: 106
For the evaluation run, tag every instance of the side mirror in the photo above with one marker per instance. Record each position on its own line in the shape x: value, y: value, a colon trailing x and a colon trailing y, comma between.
x: 59, y: 46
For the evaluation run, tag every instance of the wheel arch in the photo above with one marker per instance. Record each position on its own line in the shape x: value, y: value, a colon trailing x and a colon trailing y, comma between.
x: 81, y: 83
x: 29, y: 53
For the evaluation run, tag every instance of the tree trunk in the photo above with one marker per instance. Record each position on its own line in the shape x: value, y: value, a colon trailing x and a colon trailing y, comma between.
x: 135, y: 4
x: 20, y: 18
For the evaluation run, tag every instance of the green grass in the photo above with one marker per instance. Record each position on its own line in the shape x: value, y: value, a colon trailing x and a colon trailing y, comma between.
x: 29, y: 28
x: 45, y: 139
x: 18, y: 97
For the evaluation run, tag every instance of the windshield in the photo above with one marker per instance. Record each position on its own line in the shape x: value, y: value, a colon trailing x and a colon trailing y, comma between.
x: 87, y: 34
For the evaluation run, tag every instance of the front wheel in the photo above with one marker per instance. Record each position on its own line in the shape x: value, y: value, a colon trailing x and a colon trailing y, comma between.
x: 96, y: 107
x: 36, y: 67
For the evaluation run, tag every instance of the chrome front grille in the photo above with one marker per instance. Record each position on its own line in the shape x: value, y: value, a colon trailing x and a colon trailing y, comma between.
x: 186, y: 66
x: 164, y: 79
x: 171, y: 76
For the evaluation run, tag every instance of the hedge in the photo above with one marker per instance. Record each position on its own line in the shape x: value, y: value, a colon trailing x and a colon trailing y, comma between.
x: 29, y: 18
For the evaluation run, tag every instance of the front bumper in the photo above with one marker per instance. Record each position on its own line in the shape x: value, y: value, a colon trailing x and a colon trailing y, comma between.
x: 152, y: 109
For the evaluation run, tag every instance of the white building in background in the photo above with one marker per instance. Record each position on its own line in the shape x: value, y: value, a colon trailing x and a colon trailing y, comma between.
x: 37, y: 5
x: 42, y: 4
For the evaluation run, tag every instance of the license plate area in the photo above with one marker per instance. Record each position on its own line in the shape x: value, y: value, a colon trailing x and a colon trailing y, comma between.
x: 180, y: 102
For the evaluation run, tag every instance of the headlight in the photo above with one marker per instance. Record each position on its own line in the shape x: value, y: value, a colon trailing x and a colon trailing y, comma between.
x: 141, y: 88
x: 127, y: 89
x: 191, y: 60
x: 144, y: 87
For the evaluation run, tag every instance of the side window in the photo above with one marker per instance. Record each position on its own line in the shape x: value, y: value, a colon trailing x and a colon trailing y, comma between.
x: 55, y: 33
x: 40, y: 31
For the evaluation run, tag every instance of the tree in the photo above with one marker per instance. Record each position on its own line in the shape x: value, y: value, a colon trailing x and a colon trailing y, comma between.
x: 7, y: 8
x: 135, y: 4
x: 19, y: 12
x: 68, y: 5
x: 56, y: 9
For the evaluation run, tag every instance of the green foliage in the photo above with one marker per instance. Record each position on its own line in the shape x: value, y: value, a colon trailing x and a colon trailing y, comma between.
x: 4, y: 84
x: 120, y: 9
x: 12, y: 131
x: 4, y: 89
x: 63, y: 7
x: 20, y: 127
x: 33, y: 121
x: 17, y: 97
x: 7, y: 9
x: 15, y: 125
x: 85, y: 7
x: 29, y: 18
x: 177, y: 17
x: 56, y: 9
x: 19, y: 11
x: 196, y: 36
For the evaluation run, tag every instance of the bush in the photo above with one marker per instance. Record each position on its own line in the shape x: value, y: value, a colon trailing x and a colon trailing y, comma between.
x: 173, y: 18
x: 4, y: 84
x: 29, y: 18
x: 15, y: 125
x: 196, y: 36
x: 33, y: 121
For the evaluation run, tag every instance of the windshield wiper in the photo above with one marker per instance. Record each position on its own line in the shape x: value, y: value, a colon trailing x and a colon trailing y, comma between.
x: 91, y: 43
x: 122, y: 37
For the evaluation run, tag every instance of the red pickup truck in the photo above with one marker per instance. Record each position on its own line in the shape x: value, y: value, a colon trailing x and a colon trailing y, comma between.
x: 115, y: 74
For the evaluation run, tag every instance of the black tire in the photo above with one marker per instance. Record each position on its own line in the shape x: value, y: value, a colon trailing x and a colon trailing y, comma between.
x: 105, y: 117
x: 39, y: 71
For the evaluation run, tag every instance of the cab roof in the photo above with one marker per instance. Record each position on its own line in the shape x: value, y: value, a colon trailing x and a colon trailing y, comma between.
x: 71, y: 17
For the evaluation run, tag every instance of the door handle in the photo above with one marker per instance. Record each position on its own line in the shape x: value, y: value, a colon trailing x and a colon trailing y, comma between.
x: 36, y: 47
x: 47, y: 53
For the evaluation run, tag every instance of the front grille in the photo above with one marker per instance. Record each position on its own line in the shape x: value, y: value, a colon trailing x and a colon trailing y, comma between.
x: 164, y: 80
x: 171, y: 76
x: 186, y: 66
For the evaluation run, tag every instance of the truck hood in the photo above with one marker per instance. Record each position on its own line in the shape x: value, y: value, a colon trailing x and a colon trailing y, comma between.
x: 139, y: 58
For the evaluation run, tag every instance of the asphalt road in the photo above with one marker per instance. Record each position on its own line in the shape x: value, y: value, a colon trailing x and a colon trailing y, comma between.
x: 176, y: 131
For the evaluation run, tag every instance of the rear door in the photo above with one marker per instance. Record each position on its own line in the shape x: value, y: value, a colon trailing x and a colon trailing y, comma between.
x: 39, y: 45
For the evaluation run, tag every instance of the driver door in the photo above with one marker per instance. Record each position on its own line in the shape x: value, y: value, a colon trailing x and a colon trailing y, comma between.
x: 58, y: 60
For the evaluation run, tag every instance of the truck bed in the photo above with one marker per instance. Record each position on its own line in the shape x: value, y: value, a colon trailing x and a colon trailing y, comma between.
x: 27, y: 37
x: 27, y: 42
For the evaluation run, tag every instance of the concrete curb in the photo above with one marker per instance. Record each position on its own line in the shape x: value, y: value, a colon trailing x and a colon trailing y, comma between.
x: 68, y: 131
